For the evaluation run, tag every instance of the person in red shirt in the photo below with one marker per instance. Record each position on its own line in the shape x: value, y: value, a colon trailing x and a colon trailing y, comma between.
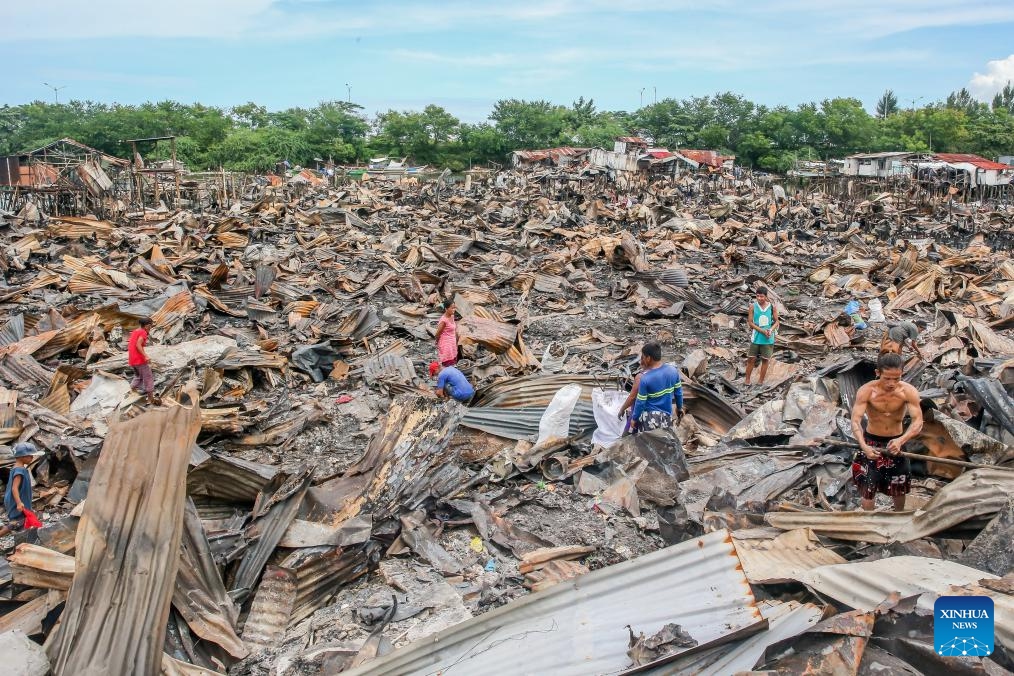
x: 137, y: 358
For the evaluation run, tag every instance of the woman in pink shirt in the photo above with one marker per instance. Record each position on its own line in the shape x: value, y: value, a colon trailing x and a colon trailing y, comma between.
x: 447, y: 336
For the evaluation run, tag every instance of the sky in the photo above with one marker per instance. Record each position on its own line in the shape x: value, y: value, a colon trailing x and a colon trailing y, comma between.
x: 464, y: 55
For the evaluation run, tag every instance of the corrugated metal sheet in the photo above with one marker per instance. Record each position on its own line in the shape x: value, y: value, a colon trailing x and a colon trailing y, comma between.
x: 874, y: 527
x: 780, y: 559
x: 199, y: 595
x: 275, y: 509
x: 974, y: 160
x: 708, y: 407
x: 990, y: 394
x: 578, y: 626
x: 13, y: 330
x: 980, y: 493
x: 128, y: 548
x: 785, y: 620
x: 864, y: 585
x: 522, y: 423
x: 229, y: 478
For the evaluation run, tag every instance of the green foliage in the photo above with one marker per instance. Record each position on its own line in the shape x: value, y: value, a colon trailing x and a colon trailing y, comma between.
x: 249, y: 137
x: 887, y: 105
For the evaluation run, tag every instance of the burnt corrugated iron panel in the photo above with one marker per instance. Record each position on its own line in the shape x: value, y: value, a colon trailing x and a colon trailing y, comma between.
x: 23, y: 370
x: 530, y: 392
x: 522, y: 423
x: 991, y: 395
x: 785, y: 620
x: 199, y: 595
x: 980, y: 493
x: 767, y: 561
x: 128, y: 544
x: 230, y: 479
x: 578, y: 626
x: 390, y: 367
x: 271, y: 608
x: 864, y: 585
x: 274, y: 510
x: 322, y: 571
x: 13, y: 330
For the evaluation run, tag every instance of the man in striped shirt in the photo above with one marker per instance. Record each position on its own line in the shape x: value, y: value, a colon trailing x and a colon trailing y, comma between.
x: 655, y: 389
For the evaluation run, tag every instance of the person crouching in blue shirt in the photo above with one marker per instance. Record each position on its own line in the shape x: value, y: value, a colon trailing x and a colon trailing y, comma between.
x: 655, y: 389
x: 452, y: 383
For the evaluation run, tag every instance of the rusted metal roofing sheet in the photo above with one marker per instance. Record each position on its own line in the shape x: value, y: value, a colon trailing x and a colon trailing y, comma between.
x: 199, y: 595
x: 549, y: 154
x: 974, y: 160
x: 578, y: 627
x: 864, y: 585
x: 780, y: 559
x: 128, y: 548
x: 975, y: 494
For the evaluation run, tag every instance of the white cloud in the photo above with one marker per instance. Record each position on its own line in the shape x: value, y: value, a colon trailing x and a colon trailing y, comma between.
x: 998, y: 73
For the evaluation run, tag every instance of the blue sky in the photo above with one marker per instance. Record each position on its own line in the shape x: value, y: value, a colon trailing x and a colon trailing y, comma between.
x: 466, y: 55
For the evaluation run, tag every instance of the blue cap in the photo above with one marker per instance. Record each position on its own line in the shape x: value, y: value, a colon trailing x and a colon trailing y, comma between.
x: 24, y: 448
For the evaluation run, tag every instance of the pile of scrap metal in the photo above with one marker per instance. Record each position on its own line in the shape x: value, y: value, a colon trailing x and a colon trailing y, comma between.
x: 316, y: 506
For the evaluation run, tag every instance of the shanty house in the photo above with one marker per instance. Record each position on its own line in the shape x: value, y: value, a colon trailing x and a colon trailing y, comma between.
x: 877, y: 165
x: 981, y: 172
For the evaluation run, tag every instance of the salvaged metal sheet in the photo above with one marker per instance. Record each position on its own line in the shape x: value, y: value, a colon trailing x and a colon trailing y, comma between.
x: 782, y: 558
x: 127, y: 548
x: 579, y: 626
x: 199, y: 595
x: 865, y: 585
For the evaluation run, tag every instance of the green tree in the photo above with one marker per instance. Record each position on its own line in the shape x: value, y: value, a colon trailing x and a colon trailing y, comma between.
x: 1004, y: 99
x: 531, y: 124
x: 887, y: 105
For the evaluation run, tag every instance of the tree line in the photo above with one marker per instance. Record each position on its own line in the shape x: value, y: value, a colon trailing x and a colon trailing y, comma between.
x: 251, y: 138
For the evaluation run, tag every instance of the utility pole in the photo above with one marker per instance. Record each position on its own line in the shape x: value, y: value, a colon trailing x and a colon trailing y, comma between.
x: 56, y: 90
x: 348, y: 89
x: 642, y: 96
x: 654, y: 89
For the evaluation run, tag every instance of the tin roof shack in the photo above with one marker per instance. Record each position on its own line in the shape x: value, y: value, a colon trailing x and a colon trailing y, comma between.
x: 877, y: 165
x: 548, y: 157
x: 62, y: 177
x: 980, y: 171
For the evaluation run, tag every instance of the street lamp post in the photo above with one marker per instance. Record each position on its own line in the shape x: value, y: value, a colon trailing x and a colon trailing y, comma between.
x: 642, y: 96
x: 348, y: 90
x: 56, y: 90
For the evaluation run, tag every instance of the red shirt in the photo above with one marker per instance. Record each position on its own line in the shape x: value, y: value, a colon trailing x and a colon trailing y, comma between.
x: 134, y: 356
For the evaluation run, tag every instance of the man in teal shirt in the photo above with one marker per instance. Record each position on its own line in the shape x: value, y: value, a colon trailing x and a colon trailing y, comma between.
x: 763, y: 320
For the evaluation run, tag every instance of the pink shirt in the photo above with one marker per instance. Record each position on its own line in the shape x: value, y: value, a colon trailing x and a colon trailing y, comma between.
x: 447, y: 343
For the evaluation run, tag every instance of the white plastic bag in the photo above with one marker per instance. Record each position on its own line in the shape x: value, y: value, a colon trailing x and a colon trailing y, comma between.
x: 555, y: 423
x: 606, y: 406
x: 876, y: 311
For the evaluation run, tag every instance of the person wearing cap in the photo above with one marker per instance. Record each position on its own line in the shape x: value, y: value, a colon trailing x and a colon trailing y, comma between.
x: 18, y: 496
x: 451, y: 383
x: 137, y: 359
x: 894, y: 339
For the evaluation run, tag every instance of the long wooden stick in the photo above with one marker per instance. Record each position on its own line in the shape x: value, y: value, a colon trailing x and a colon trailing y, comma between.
x: 927, y: 458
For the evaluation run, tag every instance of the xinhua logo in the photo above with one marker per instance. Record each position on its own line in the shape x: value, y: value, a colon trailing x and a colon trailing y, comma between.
x: 963, y: 626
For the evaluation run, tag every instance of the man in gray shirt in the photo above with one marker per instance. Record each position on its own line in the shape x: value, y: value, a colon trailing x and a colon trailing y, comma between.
x: 894, y: 339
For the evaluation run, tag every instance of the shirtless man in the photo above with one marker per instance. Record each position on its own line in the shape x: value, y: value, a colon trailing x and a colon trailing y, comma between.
x: 879, y: 465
